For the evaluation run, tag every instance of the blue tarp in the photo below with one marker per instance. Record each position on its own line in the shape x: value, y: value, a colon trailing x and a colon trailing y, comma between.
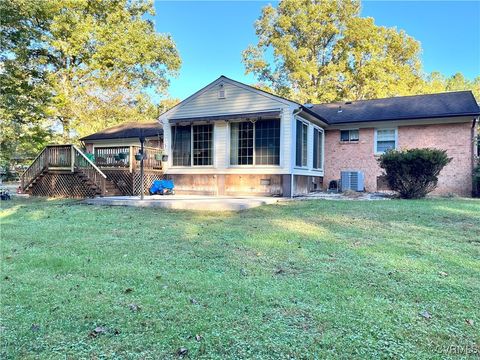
x: 159, y: 186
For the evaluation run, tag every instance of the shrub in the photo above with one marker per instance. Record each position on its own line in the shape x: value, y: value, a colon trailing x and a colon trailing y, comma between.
x: 476, y: 181
x: 413, y: 172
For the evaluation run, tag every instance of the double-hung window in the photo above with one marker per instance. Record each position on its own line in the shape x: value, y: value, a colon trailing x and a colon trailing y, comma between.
x: 192, y: 145
x: 255, y: 143
x: 385, y: 139
x: 301, y: 144
x: 349, y: 135
x: 317, y: 148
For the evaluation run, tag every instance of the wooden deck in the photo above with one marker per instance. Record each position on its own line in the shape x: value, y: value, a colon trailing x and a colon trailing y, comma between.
x: 65, y: 171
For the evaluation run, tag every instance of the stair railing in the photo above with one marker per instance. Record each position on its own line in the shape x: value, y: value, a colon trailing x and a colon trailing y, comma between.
x: 39, y: 164
x: 83, y: 164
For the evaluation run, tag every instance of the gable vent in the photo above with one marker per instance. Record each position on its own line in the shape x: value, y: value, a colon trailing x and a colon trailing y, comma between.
x: 221, y: 92
x: 352, y: 180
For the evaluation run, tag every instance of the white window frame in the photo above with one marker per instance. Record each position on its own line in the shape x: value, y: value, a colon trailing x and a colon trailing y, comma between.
x: 191, y: 148
x: 305, y: 122
x: 349, y: 139
x: 253, y: 165
x: 375, y: 150
x: 322, y: 132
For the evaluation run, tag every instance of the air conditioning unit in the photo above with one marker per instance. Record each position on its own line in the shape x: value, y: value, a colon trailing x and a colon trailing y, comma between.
x: 352, y: 180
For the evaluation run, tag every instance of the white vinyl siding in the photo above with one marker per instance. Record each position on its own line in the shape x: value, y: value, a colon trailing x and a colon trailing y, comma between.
x: 237, y: 100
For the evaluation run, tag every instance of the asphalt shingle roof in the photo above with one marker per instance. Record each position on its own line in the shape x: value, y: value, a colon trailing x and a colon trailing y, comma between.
x: 449, y: 104
x: 127, y: 130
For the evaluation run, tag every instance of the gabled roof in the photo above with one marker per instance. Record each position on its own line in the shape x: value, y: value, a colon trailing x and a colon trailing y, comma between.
x: 128, y: 130
x: 442, y: 105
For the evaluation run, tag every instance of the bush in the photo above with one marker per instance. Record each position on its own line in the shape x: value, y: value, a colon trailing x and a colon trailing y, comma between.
x: 414, y: 172
x: 476, y: 181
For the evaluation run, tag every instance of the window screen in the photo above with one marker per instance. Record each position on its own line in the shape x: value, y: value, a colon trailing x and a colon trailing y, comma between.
x: 202, y: 145
x: 385, y: 140
x: 317, y: 149
x: 181, y: 145
x: 267, y: 142
x: 241, y: 143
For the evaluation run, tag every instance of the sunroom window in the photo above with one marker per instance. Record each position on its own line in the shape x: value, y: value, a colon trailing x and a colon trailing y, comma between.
x: 317, y: 149
x: 301, y: 144
x: 386, y: 139
x: 255, y: 143
x: 196, y: 140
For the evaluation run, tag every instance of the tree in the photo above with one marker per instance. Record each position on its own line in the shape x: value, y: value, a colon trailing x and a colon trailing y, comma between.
x: 24, y: 87
x: 324, y: 51
x: 96, y: 59
x: 413, y: 172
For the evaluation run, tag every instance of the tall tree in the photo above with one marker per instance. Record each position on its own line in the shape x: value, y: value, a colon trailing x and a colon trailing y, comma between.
x: 322, y: 50
x: 97, y: 59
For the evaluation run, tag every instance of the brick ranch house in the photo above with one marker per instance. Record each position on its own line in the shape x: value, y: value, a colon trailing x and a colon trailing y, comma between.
x: 229, y: 138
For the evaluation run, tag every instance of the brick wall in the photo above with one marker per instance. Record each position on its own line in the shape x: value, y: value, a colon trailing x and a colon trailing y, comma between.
x: 455, y: 138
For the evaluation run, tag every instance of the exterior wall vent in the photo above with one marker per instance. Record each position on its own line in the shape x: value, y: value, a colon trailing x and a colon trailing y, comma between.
x: 352, y: 180
x: 221, y: 92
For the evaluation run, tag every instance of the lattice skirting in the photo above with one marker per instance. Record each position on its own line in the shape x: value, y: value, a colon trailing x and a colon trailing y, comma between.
x: 122, y: 179
x: 129, y: 183
x: 66, y: 185
x: 150, y: 176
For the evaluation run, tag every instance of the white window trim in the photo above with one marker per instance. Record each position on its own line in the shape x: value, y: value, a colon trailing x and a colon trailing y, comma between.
x: 349, y: 140
x: 253, y: 165
x: 305, y: 122
x: 191, y: 149
x: 323, y: 147
x: 375, y: 151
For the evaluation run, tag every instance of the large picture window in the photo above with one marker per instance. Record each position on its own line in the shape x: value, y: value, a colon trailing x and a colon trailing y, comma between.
x: 202, y: 145
x: 317, y: 149
x: 181, y: 145
x: 255, y: 143
x: 196, y: 140
x: 301, y: 144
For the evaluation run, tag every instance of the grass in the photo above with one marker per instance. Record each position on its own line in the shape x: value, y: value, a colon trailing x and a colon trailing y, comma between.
x: 312, y: 279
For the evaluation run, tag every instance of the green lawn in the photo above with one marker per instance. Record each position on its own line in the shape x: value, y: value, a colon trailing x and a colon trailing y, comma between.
x: 311, y: 279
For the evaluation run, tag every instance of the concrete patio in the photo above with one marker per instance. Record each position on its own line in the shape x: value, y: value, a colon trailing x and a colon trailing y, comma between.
x: 187, y: 202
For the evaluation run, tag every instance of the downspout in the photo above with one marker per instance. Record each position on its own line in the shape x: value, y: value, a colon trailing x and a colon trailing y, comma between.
x: 295, y: 113
x: 472, y: 149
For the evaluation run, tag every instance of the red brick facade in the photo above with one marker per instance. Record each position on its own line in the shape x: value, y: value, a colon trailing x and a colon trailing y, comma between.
x: 455, y: 138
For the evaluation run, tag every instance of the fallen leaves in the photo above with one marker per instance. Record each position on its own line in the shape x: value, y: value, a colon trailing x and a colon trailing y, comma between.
x: 469, y: 322
x: 134, y: 307
x: 128, y: 290
x: 35, y: 327
x: 181, y: 352
x: 425, y: 314
x: 97, y: 331
x: 443, y: 273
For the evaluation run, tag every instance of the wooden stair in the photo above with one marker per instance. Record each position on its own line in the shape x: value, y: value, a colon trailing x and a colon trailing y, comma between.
x: 70, y: 172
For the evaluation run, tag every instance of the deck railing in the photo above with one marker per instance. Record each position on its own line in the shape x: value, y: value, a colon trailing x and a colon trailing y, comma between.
x: 88, y: 168
x: 38, y: 165
x: 122, y: 157
x: 67, y: 158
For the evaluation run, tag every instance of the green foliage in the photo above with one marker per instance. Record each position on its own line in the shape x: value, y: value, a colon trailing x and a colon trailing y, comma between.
x: 79, y: 66
x: 413, y: 172
x: 298, y: 280
x: 324, y: 51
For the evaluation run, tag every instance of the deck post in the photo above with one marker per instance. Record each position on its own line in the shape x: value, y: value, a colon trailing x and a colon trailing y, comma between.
x: 142, y: 174
x: 131, y: 158
x: 72, y: 158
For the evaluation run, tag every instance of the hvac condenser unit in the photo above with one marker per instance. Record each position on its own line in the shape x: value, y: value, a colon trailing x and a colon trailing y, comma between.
x: 352, y: 180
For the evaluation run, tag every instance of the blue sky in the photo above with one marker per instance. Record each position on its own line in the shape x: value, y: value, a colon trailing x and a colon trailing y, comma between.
x: 211, y: 35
